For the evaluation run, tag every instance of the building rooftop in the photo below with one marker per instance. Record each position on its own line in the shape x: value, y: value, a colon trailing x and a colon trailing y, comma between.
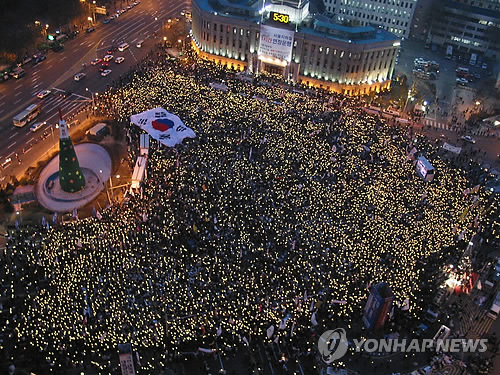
x: 248, y: 10
x: 471, y: 9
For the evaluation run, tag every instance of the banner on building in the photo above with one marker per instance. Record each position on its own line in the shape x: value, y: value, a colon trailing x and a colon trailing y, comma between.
x: 276, y: 43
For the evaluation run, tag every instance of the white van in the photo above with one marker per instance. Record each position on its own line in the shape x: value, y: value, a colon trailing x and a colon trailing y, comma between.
x: 122, y: 47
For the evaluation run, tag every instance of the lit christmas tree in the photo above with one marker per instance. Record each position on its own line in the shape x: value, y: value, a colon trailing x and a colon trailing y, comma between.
x: 70, y: 175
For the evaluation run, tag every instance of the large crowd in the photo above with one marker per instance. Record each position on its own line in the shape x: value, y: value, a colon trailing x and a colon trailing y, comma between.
x: 281, y: 212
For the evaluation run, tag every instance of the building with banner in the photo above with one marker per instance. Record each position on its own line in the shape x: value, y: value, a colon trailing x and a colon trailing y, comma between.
x: 284, y: 38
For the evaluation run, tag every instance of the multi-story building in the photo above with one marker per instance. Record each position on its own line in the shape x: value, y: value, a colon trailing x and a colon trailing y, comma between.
x: 469, y: 26
x: 393, y: 15
x: 282, y: 37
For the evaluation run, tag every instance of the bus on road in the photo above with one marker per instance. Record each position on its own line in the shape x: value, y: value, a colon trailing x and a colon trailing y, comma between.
x: 28, y: 115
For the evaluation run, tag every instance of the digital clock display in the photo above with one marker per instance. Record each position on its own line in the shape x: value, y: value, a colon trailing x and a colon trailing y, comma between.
x: 280, y: 17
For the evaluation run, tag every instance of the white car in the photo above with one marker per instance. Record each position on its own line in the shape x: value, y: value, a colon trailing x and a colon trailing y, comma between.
x: 108, y: 58
x: 43, y: 94
x: 79, y: 76
x: 462, y: 81
x: 105, y: 72
x: 37, y: 125
x: 119, y: 60
x: 122, y: 47
x: 468, y: 138
x: 6, y: 163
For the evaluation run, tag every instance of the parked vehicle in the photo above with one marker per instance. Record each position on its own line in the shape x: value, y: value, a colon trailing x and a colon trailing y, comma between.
x: 432, y: 314
x: 495, y: 307
x: 449, y: 52
x: 79, y: 76
x: 473, y: 59
x: 18, y: 73
x: 468, y: 138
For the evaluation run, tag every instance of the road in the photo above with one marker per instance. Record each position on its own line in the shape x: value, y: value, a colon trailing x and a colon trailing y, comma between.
x: 57, y: 71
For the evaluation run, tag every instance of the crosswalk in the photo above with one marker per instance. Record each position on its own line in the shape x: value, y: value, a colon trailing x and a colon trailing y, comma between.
x: 473, y: 323
x: 68, y: 105
x: 436, y: 124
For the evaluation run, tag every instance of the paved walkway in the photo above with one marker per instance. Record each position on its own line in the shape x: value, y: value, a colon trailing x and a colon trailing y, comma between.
x: 91, y: 156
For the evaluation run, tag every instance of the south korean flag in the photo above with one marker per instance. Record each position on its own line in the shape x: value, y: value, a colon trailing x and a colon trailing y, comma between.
x: 163, y: 126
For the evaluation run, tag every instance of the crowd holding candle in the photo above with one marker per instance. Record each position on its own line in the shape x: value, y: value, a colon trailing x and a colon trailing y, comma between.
x: 276, y: 208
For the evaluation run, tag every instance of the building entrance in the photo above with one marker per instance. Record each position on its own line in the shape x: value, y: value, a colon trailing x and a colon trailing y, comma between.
x: 273, y: 69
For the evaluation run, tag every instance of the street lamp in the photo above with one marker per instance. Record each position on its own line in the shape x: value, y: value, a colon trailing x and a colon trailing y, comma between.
x: 92, y: 94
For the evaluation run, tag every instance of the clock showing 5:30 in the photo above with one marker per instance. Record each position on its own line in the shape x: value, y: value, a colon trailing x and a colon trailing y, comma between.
x: 280, y: 17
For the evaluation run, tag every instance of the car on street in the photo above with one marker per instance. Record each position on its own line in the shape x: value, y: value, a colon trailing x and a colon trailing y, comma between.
x: 105, y: 72
x: 6, y: 163
x: 119, y: 60
x: 104, y: 66
x: 79, y: 76
x: 65, y: 94
x: 122, y: 47
x: 37, y: 125
x: 107, y: 20
x: 96, y: 61
x: 38, y: 58
x: 139, y: 43
x: 462, y: 81
x: 111, y: 49
x: 468, y: 138
x: 108, y: 58
x: 43, y: 94
x: 90, y: 29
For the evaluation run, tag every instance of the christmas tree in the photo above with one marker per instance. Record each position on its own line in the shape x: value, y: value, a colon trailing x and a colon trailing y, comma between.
x: 71, y: 177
